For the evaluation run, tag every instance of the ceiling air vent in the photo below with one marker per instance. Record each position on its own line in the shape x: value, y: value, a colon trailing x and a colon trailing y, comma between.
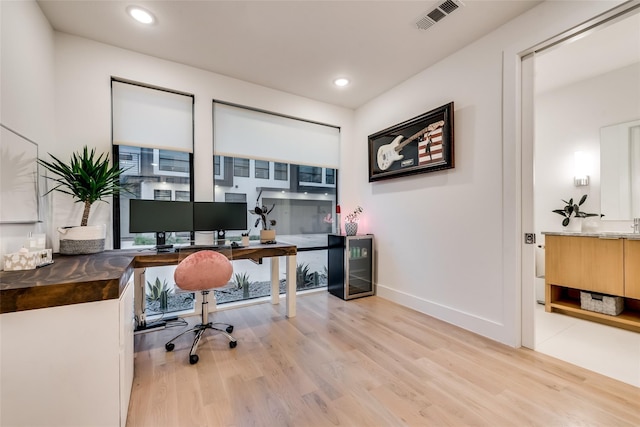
x: 438, y: 13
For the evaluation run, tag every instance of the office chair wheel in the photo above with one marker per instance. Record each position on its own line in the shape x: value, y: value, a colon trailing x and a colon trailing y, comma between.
x: 169, y: 346
x: 229, y: 329
x: 233, y: 344
x: 193, y: 359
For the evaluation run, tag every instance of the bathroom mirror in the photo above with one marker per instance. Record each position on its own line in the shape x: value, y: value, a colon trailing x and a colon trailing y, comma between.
x: 620, y: 171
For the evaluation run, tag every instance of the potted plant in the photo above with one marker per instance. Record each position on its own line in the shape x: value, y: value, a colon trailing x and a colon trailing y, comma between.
x: 267, y: 234
x: 87, y: 178
x: 572, y: 209
x: 351, y: 222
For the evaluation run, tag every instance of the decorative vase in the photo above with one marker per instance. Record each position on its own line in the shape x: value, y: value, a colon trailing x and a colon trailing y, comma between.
x: 88, y: 239
x: 267, y: 236
x: 351, y: 228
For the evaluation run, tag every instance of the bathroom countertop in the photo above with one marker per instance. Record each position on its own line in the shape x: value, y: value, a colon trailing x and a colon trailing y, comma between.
x: 599, y: 234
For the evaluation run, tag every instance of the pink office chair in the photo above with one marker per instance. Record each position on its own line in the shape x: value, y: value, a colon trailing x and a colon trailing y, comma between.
x: 202, y: 271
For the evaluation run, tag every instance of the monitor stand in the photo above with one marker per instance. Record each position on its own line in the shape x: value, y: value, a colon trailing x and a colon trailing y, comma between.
x: 161, y: 245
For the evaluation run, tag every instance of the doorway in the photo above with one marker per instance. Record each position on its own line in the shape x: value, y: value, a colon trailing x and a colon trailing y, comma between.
x: 570, y: 89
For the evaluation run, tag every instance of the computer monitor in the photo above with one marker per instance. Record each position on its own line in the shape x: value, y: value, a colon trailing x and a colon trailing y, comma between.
x: 160, y: 217
x: 219, y: 216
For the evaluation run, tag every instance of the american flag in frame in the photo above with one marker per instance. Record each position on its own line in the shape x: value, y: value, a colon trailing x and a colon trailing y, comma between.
x: 422, y: 144
x: 430, y: 146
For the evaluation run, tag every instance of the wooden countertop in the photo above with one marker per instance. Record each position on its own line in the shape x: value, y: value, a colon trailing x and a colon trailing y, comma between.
x: 103, y: 276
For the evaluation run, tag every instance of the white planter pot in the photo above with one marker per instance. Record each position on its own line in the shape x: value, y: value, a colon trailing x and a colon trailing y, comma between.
x: 267, y: 236
x: 82, y: 240
x: 575, y: 225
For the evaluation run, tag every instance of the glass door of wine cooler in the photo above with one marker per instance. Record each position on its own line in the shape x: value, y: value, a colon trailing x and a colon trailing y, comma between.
x: 350, y: 266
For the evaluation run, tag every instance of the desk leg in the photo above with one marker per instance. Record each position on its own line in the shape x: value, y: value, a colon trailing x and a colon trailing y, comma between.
x: 275, y: 280
x: 139, y: 296
x: 291, y: 286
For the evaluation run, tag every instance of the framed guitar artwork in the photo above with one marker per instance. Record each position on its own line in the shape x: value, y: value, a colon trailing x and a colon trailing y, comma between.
x: 421, y: 144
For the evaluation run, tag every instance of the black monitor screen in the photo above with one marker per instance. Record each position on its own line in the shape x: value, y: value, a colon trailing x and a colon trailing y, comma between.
x: 146, y: 216
x: 211, y: 216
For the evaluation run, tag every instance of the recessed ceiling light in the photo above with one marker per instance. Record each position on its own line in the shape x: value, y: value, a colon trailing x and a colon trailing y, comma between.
x: 140, y: 15
x: 341, y: 82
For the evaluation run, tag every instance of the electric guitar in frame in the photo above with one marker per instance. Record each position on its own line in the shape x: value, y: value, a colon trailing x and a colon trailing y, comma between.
x: 389, y: 153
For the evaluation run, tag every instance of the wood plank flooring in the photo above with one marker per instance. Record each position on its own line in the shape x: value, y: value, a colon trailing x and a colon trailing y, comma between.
x: 365, y: 362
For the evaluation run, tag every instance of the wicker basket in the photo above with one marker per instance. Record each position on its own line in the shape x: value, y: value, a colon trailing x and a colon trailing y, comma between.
x: 600, y: 303
x: 80, y: 247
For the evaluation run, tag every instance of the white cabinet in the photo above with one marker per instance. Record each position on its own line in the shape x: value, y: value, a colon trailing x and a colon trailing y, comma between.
x: 67, y: 365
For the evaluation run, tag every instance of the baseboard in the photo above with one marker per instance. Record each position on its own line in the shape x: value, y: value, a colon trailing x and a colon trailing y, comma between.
x: 494, y: 330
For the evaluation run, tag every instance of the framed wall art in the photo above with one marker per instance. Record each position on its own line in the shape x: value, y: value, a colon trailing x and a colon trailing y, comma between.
x: 419, y: 145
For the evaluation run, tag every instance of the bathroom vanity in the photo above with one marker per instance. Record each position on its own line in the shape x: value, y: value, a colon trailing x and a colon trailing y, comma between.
x: 604, y: 263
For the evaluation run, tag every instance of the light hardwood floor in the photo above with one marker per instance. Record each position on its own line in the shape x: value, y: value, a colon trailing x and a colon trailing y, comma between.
x: 365, y: 362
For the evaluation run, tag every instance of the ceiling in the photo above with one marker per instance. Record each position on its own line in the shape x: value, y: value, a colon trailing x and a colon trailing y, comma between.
x: 297, y: 46
x: 617, y: 45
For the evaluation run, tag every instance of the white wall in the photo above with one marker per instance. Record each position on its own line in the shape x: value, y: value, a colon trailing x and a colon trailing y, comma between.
x: 568, y: 119
x: 27, y: 88
x: 448, y: 242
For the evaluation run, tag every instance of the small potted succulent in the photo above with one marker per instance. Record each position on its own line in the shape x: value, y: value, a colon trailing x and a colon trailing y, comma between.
x: 572, y: 209
x: 351, y: 222
x: 87, y: 178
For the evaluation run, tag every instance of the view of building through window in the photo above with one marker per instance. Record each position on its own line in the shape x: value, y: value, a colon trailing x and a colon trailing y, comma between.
x: 303, y: 200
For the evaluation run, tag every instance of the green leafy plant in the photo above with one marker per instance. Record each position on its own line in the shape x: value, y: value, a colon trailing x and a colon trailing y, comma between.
x: 241, y: 280
x: 573, y: 209
x: 156, y: 289
x: 86, y: 178
x: 262, y: 213
x: 302, y: 273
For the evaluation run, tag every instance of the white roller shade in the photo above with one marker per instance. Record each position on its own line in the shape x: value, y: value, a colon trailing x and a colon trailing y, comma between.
x: 240, y: 132
x: 152, y: 118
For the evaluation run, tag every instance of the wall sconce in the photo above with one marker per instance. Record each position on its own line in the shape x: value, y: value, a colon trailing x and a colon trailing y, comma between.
x: 581, y: 169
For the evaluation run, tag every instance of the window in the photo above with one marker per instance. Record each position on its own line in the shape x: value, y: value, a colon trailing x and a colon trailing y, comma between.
x: 241, y: 167
x: 171, y: 161
x: 161, y: 194
x: 183, y: 196
x: 300, y: 197
x: 310, y: 174
x: 153, y: 132
x: 262, y: 169
x: 235, y: 197
x: 217, y: 170
x: 331, y: 176
x: 281, y: 171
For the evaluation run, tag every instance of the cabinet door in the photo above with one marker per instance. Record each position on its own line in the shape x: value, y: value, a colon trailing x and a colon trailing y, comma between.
x: 632, y: 269
x: 587, y: 263
x: 603, y: 265
x: 127, y: 325
x: 563, y: 261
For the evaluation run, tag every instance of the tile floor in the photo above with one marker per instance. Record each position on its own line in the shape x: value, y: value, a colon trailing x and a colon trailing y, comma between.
x: 604, y: 349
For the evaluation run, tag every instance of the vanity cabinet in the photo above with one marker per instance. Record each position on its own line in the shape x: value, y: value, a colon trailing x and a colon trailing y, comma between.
x: 596, y: 263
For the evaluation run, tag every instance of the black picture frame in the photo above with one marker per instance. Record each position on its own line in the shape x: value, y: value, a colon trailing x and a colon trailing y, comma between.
x: 419, y: 145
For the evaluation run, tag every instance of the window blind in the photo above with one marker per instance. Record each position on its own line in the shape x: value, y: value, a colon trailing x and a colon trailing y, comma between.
x: 241, y: 132
x: 152, y: 118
